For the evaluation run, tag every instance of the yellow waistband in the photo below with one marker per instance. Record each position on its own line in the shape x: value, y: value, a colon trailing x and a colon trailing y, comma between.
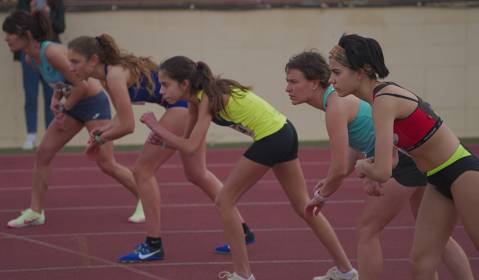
x: 458, y: 154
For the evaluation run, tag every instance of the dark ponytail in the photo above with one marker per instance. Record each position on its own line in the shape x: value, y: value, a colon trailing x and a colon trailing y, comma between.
x: 22, y: 22
x: 201, y: 78
x: 365, y: 53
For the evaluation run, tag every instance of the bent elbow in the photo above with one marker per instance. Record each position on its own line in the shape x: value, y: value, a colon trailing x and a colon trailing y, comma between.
x: 130, y: 128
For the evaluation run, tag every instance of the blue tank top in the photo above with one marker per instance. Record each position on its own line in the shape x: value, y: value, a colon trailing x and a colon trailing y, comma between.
x: 49, y: 74
x: 141, y: 94
x: 361, y: 128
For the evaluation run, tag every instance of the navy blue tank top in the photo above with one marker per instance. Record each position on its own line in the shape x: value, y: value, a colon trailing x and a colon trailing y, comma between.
x: 141, y: 94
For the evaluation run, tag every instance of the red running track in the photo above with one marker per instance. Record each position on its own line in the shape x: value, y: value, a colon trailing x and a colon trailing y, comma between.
x: 86, y: 227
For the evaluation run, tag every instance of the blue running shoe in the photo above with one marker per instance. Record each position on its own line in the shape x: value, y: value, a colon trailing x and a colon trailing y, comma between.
x: 143, y: 253
x: 225, y: 249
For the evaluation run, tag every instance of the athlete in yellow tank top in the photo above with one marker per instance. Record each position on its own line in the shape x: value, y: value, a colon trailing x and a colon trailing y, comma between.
x: 249, y: 114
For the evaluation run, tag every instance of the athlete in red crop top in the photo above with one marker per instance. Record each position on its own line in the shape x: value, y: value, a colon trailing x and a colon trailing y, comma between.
x: 356, y: 64
x: 414, y: 130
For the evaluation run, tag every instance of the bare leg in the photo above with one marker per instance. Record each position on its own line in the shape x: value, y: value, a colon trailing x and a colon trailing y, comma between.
x: 466, y: 197
x: 243, y: 176
x: 107, y: 163
x: 150, y: 160
x: 453, y: 256
x: 292, y: 180
x: 435, y: 221
x: 197, y: 173
x: 378, y: 212
x: 52, y: 142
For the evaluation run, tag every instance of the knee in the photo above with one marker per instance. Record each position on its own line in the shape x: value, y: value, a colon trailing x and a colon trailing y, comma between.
x: 223, y: 203
x: 299, y: 210
x: 44, y: 155
x: 421, y: 264
x: 367, y: 232
x: 138, y: 173
x: 195, y: 177
x: 106, y: 166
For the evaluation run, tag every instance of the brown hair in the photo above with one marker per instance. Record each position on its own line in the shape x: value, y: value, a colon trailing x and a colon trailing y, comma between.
x: 109, y: 53
x: 312, y: 65
x: 181, y: 68
x: 21, y: 22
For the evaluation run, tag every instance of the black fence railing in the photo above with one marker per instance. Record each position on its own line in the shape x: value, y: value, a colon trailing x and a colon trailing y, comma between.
x: 96, y: 5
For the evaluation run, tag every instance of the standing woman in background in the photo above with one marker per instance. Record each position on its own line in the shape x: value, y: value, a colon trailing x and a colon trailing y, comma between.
x: 349, y: 123
x: 228, y: 103
x: 130, y: 79
x: 76, y: 104
x: 403, y: 119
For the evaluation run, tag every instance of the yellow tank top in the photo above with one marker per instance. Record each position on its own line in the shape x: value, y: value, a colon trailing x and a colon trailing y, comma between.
x: 249, y: 114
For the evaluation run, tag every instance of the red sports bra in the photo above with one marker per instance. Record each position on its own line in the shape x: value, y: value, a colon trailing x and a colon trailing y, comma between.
x: 414, y: 130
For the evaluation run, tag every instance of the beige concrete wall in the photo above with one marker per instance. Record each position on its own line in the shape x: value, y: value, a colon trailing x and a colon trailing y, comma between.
x: 432, y: 51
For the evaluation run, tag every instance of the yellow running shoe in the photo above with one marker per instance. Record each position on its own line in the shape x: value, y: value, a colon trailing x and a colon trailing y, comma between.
x: 28, y: 218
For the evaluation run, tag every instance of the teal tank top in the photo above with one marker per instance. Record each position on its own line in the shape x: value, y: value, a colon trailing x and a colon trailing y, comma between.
x: 49, y: 74
x: 361, y: 128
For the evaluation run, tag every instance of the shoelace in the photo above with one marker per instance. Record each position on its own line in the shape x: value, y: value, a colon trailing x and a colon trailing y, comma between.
x: 142, y: 248
x: 225, y: 275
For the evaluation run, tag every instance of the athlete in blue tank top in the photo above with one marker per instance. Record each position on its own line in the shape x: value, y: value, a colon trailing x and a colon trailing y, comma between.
x: 132, y: 79
x: 140, y: 94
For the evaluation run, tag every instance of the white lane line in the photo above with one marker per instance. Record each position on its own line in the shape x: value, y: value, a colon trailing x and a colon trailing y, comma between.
x: 206, y: 231
x: 162, y: 184
x: 182, y: 205
x: 184, y: 264
x: 69, y: 251
x: 165, y: 166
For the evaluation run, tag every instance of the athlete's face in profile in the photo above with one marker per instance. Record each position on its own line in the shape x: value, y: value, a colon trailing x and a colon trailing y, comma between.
x: 171, y: 90
x: 15, y: 42
x: 79, y: 65
x: 344, y: 80
x: 299, y: 88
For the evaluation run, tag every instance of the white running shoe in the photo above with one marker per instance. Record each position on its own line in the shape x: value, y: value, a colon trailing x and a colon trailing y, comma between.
x: 233, y: 276
x: 335, y: 274
x: 29, y: 143
x: 138, y: 216
x: 28, y: 218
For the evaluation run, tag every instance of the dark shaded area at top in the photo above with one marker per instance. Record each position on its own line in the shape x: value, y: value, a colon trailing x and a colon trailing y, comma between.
x: 103, y: 5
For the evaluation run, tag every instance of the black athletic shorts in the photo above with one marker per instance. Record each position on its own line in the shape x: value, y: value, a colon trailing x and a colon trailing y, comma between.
x: 444, y: 179
x: 407, y: 174
x: 280, y: 146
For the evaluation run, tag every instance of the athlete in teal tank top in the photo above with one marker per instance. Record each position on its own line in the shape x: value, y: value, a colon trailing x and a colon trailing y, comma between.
x: 48, y: 72
x: 360, y: 129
